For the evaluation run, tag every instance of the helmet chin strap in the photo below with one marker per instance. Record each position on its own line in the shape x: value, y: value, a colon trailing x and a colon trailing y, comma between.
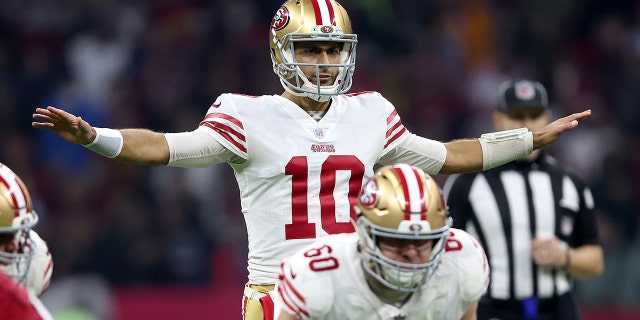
x: 312, y: 96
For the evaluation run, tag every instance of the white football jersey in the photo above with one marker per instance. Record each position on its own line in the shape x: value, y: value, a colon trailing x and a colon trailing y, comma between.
x: 326, y: 281
x: 301, y: 177
x: 40, y: 269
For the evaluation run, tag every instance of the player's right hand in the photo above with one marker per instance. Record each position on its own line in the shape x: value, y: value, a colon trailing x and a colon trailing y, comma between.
x: 68, y: 126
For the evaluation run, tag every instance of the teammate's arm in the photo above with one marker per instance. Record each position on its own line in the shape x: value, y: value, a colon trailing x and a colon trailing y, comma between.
x: 471, y: 313
x: 139, y: 146
x: 471, y: 155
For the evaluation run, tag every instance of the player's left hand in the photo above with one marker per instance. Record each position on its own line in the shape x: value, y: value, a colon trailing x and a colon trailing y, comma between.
x: 549, y: 134
x: 548, y: 252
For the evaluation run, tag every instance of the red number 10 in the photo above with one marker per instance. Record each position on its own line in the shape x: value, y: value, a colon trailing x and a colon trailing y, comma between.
x: 298, y: 169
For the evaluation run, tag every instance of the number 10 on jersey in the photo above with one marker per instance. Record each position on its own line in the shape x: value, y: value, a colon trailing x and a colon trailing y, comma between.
x: 298, y: 169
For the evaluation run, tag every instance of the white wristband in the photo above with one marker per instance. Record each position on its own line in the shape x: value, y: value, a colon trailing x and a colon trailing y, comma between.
x: 108, y: 142
x: 504, y: 146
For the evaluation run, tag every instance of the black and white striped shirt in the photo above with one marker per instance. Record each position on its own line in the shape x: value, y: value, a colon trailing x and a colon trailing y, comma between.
x: 508, y: 206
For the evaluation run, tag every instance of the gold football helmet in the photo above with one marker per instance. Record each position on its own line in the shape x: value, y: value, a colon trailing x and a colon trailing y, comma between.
x: 311, y: 20
x: 401, y: 202
x: 17, y: 217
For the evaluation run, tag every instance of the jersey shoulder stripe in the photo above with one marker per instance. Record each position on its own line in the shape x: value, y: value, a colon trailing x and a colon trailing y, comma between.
x: 228, y: 129
x: 223, y: 117
x: 395, y: 128
x: 226, y: 132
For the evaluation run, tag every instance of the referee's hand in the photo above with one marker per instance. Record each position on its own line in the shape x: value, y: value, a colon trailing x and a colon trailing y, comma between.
x: 547, y: 135
x: 548, y: 252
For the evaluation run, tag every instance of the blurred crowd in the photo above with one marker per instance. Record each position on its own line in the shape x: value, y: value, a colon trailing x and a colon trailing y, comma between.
x: 159, y: 64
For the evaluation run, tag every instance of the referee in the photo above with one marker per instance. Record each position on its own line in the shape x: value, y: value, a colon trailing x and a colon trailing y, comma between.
x: 534, y: 219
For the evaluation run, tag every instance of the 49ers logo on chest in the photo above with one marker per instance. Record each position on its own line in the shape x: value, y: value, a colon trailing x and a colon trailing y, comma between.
x: 326, y: 148
x: 280, y: 19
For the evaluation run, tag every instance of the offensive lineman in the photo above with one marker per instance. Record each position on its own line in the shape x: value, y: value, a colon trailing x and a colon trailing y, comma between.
x: 15, y: 301
x: 404, y: 262
x: 24, y: 256
x: 297, y: 161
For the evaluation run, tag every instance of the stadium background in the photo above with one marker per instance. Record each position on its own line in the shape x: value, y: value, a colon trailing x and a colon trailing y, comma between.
x: 133, y: 242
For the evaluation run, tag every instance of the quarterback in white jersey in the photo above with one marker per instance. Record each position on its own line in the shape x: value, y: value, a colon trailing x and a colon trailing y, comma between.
x: 300, y: 157
x: 357, y: 276
x: 298, y: 177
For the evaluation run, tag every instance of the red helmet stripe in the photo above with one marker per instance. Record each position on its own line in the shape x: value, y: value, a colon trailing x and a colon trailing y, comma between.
x: 323, y: 10
x: 7, y: 185
x: 412, y: 187
x: 423, y: 203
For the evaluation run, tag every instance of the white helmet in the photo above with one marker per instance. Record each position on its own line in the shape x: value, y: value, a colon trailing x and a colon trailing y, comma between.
x: 401, y: 202
x: 17, y: 217
x: 311, y: 20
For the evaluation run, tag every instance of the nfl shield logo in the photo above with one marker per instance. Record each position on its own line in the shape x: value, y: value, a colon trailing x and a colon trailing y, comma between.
x: 525, y: 90
x: 566, y: 226
x: 319, y: 133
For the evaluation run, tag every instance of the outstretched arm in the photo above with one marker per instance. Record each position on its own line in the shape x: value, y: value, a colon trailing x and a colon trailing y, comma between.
x: 139, y: 146
x: 471, y: 155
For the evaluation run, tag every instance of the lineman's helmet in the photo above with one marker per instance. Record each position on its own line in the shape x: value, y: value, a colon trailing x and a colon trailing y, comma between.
x: 401, y: 202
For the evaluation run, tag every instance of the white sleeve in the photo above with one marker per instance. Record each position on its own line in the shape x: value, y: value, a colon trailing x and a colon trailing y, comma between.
x: 429, y: 155
x: 39, y: 276
x: 197, y: 149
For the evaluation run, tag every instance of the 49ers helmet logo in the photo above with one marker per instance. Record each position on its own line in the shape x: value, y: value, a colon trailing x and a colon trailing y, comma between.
x: 369, y: 194
x: 326, y: 29
x: 280, y: 19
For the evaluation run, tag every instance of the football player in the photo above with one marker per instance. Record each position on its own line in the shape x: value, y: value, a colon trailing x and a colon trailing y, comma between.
x: 404, y: 262
x: 24, y: 256
x: 300, y: 157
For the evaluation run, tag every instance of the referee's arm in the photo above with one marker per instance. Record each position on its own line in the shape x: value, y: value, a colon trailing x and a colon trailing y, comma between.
x: 586, y: 261
x: 583, y: 258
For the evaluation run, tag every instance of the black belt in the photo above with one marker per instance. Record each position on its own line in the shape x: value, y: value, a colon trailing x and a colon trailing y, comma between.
x: 545, y: 306
x: 560, y: 307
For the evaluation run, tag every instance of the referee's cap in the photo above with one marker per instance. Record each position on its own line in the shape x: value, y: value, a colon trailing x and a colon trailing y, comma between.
x: 520, y: 94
